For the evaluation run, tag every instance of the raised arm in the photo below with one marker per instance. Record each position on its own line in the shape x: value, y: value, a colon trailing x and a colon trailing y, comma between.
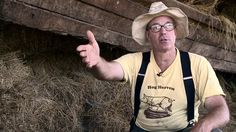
x: 217, y: 116
x: 101, y: 68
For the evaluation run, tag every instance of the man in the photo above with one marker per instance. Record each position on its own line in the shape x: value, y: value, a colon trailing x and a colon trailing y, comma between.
x: 163, y: 105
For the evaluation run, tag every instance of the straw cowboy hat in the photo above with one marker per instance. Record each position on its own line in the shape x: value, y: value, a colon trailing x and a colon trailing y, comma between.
x: 159, y: 9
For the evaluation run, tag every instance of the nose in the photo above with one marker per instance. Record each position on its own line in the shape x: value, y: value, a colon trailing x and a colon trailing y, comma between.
x: 162, y: 30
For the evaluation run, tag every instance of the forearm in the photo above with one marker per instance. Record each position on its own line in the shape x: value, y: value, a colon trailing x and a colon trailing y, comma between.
x: 216, y: 117
x: 105, y: 70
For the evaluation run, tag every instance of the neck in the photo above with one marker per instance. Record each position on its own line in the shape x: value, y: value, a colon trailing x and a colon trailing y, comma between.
x: 164, y: 59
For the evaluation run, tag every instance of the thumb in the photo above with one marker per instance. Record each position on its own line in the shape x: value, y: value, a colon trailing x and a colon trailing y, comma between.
x: 92, y: 41
x: 91, y: 37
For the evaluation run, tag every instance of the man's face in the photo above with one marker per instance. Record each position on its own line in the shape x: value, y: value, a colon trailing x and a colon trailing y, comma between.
x: 161, y: 33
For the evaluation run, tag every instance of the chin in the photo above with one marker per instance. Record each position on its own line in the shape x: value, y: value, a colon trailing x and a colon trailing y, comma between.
x: 164, y: 49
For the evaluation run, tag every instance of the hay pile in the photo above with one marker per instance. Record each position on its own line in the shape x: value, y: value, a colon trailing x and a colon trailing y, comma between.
x: 54, y: 92
x: 12, y: 73
x: 45, y: 87
x: 56, y: 99
x: 33, y: 103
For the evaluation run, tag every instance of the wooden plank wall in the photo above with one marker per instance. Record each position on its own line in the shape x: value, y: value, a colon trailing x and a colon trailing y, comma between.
x: 72, y: 17
x: 111, y: 21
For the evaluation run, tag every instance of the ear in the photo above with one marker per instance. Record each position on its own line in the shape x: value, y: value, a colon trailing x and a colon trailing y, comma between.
x: 147, y: 35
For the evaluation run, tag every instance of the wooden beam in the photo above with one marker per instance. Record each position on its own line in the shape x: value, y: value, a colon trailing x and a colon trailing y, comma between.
x: 219, y: 58
x: 213, y: 52
x: 184, y: 44
x: 223, y: 65
x: 106, y: 18
x: 98, y: 3
x: 125, y: 8
x: 79, y: 10
x: 2, y: 4
x: 34, y: 17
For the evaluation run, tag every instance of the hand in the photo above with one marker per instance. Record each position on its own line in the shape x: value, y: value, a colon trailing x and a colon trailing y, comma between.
x: 90, y: 52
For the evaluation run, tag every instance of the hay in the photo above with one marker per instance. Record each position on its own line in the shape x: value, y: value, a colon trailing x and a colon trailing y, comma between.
x: 208, y: 6
x: 12, y: 70
x: 12, y: 73
x: 230, y: 31
x: 60, y: 95
x: 55, y: 96
x: 109, y: 107
x: 106, y: 105
x: 49, y: 103
x: 228, y: 82
x: 228, y: 26
x: 51, y: 90
x: 43, y: 103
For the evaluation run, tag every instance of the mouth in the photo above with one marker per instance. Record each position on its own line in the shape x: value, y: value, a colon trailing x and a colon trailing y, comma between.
x: 163, y: 40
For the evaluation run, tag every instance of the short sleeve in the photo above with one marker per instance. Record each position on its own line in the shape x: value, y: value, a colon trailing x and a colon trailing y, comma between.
x: 207, y: 81
x: 130, y: 63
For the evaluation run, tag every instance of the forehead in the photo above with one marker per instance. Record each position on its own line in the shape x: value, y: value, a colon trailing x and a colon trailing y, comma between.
x: 161, y: 20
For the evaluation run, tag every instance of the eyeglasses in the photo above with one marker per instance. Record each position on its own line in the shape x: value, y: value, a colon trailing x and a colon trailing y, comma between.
x: 157, y: 27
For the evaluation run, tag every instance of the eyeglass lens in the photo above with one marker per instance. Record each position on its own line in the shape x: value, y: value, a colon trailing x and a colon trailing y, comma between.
x: 157, y: 27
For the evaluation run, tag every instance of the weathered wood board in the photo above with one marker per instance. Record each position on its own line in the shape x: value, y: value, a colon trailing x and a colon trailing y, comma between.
x: 68, y: 23
x: 111, y: 21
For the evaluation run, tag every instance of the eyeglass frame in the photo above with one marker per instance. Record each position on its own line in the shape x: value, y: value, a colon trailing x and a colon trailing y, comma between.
x: 150, y: 27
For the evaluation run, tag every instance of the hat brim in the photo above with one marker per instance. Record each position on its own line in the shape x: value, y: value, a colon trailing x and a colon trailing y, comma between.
x: 140, y: 23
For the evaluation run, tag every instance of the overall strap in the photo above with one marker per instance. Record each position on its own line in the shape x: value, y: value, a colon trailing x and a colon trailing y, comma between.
x: 139, y: 82
x: 189, y: 85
